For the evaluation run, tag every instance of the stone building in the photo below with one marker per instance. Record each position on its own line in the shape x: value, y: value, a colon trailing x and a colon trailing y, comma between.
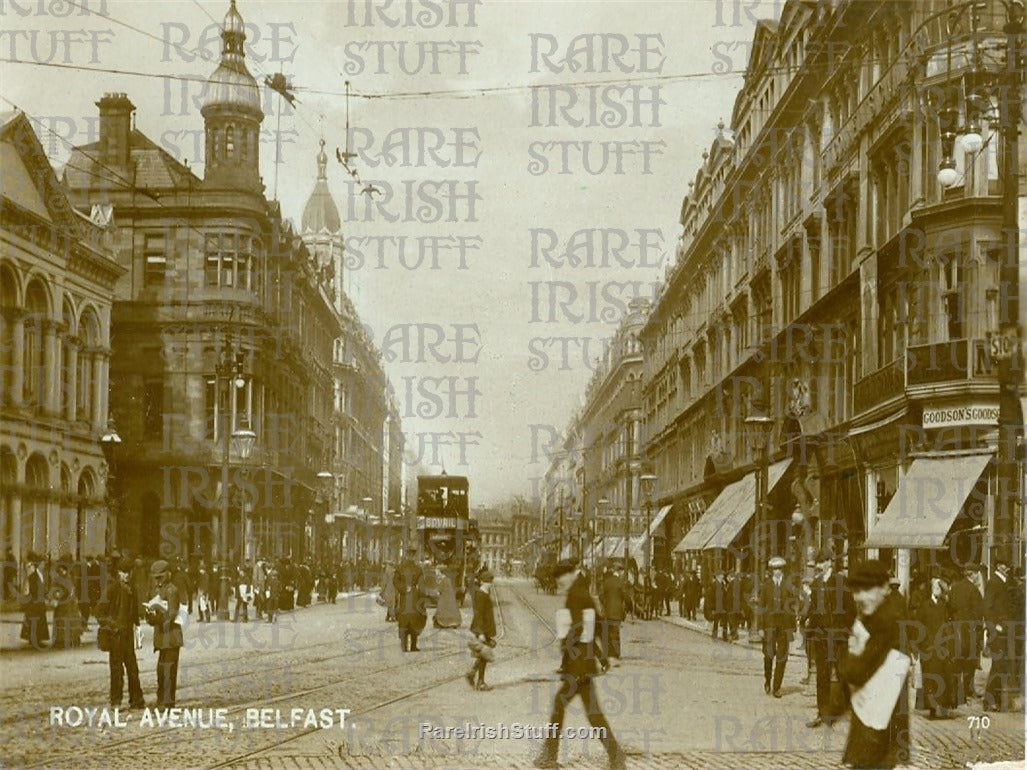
x: 57, y: 277
x: 825, y: 278
x: 225, y: 322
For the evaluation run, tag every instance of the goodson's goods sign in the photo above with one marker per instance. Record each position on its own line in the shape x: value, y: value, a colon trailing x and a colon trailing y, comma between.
x: 971, y: 414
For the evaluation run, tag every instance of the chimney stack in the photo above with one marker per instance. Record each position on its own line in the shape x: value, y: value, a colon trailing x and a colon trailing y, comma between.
x: 115, y: 129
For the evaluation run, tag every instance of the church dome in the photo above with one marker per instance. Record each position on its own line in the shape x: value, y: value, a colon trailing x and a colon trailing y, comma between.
x: 231, y: 86
x: 321, y: 213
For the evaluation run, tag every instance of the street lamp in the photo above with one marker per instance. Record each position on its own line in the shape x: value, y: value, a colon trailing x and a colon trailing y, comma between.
x: 627, y: 516
x: 231, y: 371
x: 648, y: 484
x: 109, y: 443
x: 760, y: 424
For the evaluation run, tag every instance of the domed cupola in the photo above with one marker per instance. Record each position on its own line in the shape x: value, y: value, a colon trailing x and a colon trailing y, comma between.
x: 321, y: 215
x: 232, y: 113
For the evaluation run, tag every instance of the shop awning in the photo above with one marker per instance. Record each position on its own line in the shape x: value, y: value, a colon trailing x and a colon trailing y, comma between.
x: 744, y: 507
x: 928, y: 499
x: 710, y: 521
x: 657, y: 520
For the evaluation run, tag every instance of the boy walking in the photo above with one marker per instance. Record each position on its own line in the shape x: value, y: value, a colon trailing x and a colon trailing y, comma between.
x: 483, y: 626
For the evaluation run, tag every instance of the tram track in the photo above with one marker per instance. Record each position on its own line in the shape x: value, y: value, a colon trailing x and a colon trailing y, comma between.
x: 363, y: 684
x: 84, y: 690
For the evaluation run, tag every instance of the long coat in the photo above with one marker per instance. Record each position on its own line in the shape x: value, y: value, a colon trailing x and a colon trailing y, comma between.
x: 831, y: 614
x: 967, y: 606
x: 937, y: 652
x: 613, y: 597
x: 867, y: 747
x: 579, y: 658
x: 167, y: 633
x: 411, y: 602
x: 484, y: 620
x: 33, y: 626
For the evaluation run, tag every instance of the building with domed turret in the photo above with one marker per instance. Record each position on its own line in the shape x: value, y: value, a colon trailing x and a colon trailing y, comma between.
x: 225, y: 324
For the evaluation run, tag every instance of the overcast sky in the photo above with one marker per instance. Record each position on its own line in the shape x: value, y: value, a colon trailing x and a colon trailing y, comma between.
x: 488, y: 137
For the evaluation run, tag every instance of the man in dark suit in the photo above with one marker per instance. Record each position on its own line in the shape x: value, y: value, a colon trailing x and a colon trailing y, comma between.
x: 999, y: 615
x: 935, y: 644
x: 411, y: 603
x: 34, y: 628
x: 967, y: 607
x: 582, y: 658
x: 167, y: 633
x: 776, y: 609
x: 715, y: 605
x: 830, y: 616
x: 613, y: 599
x: 119, y: 615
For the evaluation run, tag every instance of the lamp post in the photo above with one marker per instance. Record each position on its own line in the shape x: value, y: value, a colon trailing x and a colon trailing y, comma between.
x: 391, y: 518
x: 760, y: 424
x: 326, y: 480
x: 230, y: 371
x: 367, y: 527
x: 602, y: 502
x: 648, y: 484
x: 627, y: 516
x: 109, y: 443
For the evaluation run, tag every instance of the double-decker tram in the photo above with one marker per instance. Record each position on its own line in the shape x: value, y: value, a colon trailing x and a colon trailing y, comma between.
x: 448, y: 537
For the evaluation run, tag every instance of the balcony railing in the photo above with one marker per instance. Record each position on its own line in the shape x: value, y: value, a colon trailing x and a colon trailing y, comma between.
x: 877, y: 387
x: 954, y: 360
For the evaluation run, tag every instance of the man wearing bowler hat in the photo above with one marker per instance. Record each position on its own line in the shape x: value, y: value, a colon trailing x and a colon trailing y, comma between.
x: 831, y: 613
x: 162, y: 614
x: 776, y: 607
x: 119, y: 617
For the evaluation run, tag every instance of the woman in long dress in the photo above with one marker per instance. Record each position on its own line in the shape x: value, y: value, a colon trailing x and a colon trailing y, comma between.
x: 875, y: 646
x: 67, y: 617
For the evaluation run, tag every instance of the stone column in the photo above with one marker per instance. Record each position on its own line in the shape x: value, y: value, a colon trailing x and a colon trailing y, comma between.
x: 51, y: 374
x: 71, y: 366
x: 99, y: 386
x: 16, y: 396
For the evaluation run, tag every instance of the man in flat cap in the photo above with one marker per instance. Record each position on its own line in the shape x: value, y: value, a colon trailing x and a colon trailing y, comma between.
x: 830, y: 617
x: 162, y: 614
x: 776, y: 607
x: 582, y: 656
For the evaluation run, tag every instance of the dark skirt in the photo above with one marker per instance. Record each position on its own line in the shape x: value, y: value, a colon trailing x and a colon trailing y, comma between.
x: 870, y: 748
x: 34, y: 628
x: 412, y: 621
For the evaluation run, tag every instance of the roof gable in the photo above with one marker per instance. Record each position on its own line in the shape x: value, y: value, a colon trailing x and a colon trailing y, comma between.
x: 28, y: 179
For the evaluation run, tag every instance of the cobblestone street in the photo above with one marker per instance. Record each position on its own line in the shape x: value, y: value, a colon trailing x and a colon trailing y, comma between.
x: 677, y: 700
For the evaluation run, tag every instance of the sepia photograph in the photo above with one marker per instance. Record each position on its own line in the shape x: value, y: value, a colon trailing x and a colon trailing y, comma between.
x: 459, y: 384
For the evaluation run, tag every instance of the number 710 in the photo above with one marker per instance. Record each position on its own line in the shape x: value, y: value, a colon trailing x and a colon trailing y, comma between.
x: 982, y: 722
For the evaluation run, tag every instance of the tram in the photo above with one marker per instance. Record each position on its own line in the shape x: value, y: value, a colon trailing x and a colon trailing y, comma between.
x: 447, y: 536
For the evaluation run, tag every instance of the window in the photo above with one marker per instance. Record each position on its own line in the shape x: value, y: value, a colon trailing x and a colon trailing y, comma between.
x: 155, y: 262
x: 953, y: 294
x: 153, y: 409
x: 230, y: 141
x: 225, y: 263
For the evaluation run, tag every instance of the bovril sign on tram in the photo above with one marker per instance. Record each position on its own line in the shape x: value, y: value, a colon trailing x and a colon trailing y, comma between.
x: 441, y: 522
x: 960, y: 414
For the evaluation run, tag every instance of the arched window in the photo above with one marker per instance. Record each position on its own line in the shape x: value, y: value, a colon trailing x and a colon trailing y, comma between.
x: 230, y: 142
x: 89, y: 335
x: 68, y: 363
x: 33, y: 506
